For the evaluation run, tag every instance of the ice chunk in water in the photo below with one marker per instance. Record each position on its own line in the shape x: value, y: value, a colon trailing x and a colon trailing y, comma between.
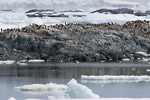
x: 114, y: 79
x: 43, y: 88
x: 11, y: 98
x: 81, y: 91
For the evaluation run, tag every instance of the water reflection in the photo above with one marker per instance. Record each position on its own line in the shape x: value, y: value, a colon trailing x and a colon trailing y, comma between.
x: 12, y: 76
x: 67, y: 71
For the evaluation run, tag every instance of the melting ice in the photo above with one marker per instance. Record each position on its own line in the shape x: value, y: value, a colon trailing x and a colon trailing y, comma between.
x: 114, y: 79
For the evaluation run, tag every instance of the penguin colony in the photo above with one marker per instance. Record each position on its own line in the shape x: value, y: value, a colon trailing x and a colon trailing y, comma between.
x: 135, y: 28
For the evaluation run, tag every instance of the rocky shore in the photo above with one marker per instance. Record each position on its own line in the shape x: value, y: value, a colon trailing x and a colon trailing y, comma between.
x: 76, y: 42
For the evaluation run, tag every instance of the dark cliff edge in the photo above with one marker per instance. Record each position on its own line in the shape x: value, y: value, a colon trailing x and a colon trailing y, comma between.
x: 76, y: 42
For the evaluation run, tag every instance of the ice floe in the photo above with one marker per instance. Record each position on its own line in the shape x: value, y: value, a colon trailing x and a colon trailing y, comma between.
x: 6, y: 62
x: 42, y: 88
x: 114, y: 79
x: 11, y: 98
x: 36, y: 60
x: 143, y: 53
x: 22, y: 64
x: 81, y: 91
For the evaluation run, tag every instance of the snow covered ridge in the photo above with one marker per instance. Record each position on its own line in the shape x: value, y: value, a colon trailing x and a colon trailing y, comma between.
x: 114, y: 79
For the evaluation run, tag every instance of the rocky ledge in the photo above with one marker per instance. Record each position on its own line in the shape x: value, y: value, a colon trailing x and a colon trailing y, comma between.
x: 76, y: 42
x: 123, y: 11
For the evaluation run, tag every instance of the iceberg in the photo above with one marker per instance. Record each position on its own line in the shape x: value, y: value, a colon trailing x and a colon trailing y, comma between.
x: 11, y: 98
x: 81, y: 91
x: 114, y: 79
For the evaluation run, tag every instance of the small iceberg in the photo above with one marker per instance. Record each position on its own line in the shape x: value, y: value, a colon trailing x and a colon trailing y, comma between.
x: 7, y: 62
x: 42, y: 88
x: 11, y: 98
x: 81, y: 91
x: 114, y: 79
x: 36, y: 60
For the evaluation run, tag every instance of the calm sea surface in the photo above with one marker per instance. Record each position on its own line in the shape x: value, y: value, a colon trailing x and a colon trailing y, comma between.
x: 42, y: 73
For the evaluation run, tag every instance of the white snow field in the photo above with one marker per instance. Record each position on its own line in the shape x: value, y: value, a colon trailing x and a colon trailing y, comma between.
x: 19, y: 7
x: 114, y: 79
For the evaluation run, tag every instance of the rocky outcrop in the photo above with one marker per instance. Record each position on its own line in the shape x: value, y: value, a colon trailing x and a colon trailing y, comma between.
x: 115, y: 11
x: 76, y: 42
x: 122, y: 11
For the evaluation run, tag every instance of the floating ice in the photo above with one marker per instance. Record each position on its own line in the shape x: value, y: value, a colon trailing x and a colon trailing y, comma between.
x: 11, y: 98
x: 81, y: 91
x: 126, y: 59
x: 7, y: 62
x: 58, y: 95
x: 22, y: 64
x: 114, y: 79
x: 43, y: 88
x: 36, y: 60
x: 143, y: 53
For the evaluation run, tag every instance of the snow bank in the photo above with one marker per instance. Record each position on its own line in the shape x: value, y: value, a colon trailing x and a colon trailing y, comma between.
x: 7, y: 62
x: 114, y: 79
x: 43, y: 88
x: 81, y: 91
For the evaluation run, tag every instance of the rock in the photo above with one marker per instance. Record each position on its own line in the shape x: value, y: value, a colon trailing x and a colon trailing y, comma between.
x: 138, y: 13
x: 148, y: 12
x: 76, y: 42
x: 115, y: 11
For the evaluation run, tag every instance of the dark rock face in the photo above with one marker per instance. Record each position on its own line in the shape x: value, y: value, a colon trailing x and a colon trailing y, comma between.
x: 123, y: 11
x: 76, y: 42
x: 115, y: 11
x: 140, y: 13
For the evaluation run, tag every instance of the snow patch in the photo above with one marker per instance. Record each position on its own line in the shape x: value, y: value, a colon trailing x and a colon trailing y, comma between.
x: 81, y: 91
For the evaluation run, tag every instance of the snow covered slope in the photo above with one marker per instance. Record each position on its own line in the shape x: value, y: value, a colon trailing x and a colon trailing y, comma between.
x: 65, y: 4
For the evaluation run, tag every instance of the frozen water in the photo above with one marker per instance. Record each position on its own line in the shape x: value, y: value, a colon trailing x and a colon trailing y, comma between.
x: 6, y: 62
x: 36, y: 60
x: 81, y: 91
x: 114, y: 79
x: 43, y: 88
x: 11, y: 98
